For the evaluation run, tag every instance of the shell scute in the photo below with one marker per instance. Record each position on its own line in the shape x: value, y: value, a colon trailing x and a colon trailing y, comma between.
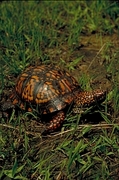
x: 49, y: 88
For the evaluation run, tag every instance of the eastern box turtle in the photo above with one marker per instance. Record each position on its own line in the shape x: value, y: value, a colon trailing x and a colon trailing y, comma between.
x: 51, y: 90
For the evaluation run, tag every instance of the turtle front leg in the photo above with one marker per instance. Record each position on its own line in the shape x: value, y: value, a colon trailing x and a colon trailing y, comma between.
x: 55, y: 122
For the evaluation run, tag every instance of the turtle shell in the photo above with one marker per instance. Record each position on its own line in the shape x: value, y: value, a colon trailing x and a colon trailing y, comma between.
x: 49, y: 88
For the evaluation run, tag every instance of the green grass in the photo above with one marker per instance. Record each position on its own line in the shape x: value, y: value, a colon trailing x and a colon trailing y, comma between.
x: 35, y: 32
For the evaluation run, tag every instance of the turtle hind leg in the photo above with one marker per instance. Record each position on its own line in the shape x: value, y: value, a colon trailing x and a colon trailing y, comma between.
x: 5, y: 109
x: 7, y: 105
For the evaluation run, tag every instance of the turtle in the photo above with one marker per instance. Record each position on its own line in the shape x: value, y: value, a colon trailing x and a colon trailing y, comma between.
x: 50, y: 90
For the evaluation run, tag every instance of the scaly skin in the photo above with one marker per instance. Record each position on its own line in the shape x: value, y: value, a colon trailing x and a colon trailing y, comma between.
x: 49, y: 90
x: 82, y: 100
x: 87, y: 99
